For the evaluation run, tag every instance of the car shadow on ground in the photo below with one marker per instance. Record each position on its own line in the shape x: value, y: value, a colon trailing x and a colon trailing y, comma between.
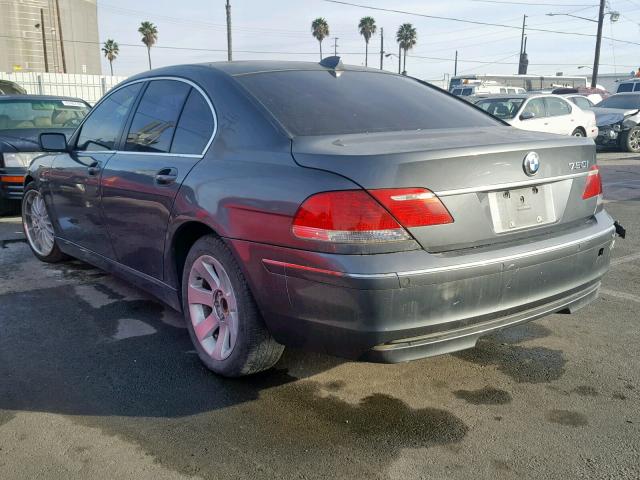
x: 112, y: 358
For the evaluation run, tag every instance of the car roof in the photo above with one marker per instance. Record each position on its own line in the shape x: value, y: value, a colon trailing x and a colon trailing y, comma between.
x: 39, y: 97
x: 623, y: 94
x: 260, y: 66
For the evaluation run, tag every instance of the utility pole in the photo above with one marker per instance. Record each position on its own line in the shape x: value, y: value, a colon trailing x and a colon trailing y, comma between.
x: 335, y: 46
x: 596, y: 58
x: 381, y: 47
x: 229, y: 49
x: 455, y: 65
x: 64, y: 63
x: 522, y: 70
x: 44, y: 42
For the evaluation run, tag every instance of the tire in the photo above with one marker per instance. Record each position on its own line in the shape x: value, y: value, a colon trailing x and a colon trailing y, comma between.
x: 578, y: 132
x: 37, y: 227
x: 218, y: 304
x: 630, y: 140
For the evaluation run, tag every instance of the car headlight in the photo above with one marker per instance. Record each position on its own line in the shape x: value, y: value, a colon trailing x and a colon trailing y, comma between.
x: 617, y: 127
x: 19, y: 159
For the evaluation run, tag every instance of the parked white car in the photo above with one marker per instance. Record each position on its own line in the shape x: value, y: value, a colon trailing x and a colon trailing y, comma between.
x: 542, y: 113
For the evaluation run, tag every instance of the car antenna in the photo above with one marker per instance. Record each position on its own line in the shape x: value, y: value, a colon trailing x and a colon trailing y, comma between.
x: 334, y: 63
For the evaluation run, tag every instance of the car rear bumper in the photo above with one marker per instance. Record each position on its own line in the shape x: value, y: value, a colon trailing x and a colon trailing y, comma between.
x: 12, y: 183
x: 403, y: 306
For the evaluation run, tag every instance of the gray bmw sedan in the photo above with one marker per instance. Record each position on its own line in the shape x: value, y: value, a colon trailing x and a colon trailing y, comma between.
x: 329, y: 207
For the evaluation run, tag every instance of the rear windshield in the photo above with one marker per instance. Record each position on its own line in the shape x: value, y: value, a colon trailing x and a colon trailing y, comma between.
x: 626, y: 102
x: 19, y: 114
x: 504, y: 108
x: 319, y: 103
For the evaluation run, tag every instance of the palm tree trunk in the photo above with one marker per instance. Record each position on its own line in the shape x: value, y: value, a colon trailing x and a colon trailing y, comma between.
x: 320, y: 42
x: 399, y: 59
x: 111, y: 66
x: 366, y: 53
x: 404, y: 70
x: 149, y: 56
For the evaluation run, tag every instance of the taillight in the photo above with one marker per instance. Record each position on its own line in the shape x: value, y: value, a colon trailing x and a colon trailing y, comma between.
x: 349, y: 216
x: 413, y: 207
x: 355, y: 215
x: 593, y: 187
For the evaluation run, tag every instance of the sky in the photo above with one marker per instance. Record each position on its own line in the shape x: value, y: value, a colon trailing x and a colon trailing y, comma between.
x: 193, y: 31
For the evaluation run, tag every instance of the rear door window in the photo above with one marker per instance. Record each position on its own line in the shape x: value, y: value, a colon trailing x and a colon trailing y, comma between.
x: 625, y: 87
x: 156, y: 117
x: 557, y: 107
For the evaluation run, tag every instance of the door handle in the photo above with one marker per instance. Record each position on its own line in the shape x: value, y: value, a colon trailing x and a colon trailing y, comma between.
x: 166, y: 176
x: 93, y: 169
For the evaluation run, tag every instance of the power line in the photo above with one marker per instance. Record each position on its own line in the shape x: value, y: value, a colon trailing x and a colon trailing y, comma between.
x: 537, y: 4
x: 474, y: 22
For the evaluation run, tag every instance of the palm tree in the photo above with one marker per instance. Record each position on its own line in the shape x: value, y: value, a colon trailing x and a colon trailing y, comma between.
x: 407, y: 37
x: 111, y: 51
x: 367, y: 28
x: 320, y: 30
x: 149, y: 34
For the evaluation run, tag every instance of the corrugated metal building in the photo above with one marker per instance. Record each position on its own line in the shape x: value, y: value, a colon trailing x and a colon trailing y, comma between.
x: 67, y: 30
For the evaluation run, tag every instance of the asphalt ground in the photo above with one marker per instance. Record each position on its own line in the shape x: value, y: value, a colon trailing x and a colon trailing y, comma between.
x: 98, y: 380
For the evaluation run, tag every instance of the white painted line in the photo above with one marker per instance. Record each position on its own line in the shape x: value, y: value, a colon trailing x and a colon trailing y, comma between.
x: 623, y: 295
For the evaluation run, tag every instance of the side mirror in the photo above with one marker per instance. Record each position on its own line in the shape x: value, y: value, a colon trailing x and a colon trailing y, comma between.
x: 53, y: 142
x: 527, y: 115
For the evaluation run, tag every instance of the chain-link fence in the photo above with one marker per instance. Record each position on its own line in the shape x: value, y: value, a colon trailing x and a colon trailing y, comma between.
x: 87, y: 87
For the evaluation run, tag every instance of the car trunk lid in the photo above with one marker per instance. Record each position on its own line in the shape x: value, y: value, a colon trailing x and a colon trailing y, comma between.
x: 477, y: 173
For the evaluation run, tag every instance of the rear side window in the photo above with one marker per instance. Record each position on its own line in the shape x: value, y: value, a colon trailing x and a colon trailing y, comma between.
x: 195, y: 126
x: 321, y: 103
x: 636, y: 87
x: 557, y: 107
x: 582, y: 102
x: 625, y: 87
x: 156, y: 117
x: 103, y: 126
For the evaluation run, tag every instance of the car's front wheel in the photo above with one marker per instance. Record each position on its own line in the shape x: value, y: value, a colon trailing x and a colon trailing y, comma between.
x: 630, y: 140
x: 38, y: 228
x: 223, y: 320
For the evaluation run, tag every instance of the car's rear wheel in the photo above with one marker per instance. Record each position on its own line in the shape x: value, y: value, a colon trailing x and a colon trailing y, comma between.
x: 630, y: 140
x: 38, y: 228
x: 223, y: 320
x: 579, y: 132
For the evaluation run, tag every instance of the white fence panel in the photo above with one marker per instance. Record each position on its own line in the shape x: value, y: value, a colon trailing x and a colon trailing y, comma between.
x: 88, y: 87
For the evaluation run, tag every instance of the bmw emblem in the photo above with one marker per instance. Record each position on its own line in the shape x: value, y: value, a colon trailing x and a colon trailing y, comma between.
x: 531, y: 163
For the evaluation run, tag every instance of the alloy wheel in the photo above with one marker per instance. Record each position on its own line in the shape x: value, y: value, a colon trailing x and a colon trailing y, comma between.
x: 634, y: 139
x: 37, y: 225
x: 212, y: 307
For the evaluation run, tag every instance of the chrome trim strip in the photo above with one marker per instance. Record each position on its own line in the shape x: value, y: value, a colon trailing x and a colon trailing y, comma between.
x: 507, y: 258
x: 151, y: 79
x: 448, y: 268
x: 159, y: 154
x: 506, y: 186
